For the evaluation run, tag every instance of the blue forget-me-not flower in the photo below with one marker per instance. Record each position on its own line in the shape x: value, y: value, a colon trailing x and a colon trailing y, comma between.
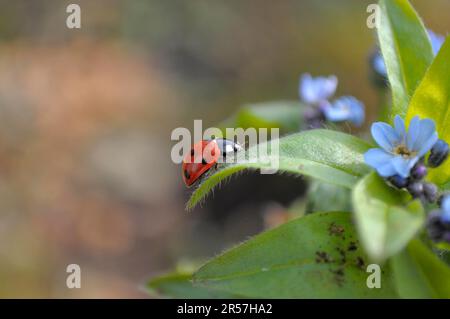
x: 346, y: 108
x: 318, y: 89
x: 317, y: 92
x: 400, y: 149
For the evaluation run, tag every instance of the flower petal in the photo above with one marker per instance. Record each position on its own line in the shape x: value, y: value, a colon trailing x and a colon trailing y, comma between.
x: 386, y: 170
x: 403, y: 166
x: 436, y: 40
x: 428, y: 145
x: 399, y: 125
x: 376, y: 157
x: 413, y: 132
x: 385, y: 136
x: 313, y: 90
x: 327, y: 86
x: 337, y: 112
x: 381, y: 161
x: 446, y: 204
x: 358, y: 113
x: 445, y: 217
x: 378, y: 64
x: 346, y: 108
x: 426, y: 138
x: 306, y: 88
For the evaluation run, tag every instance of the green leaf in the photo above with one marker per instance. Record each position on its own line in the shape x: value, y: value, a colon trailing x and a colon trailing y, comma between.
x: 323, y: 196
x: 329, y: 156
x: 179, y: 285
x: 446, y: 187
x: 420, y: 274
x: 285, y: 115
x: 443, y: 246
x: 316, y: 256
x: 406, y: 50
x: 432, y: 100
x: 386, y: 218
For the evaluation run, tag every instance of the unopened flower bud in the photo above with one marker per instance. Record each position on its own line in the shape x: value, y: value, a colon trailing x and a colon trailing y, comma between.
x: 431, y: 192
x: 398, y: 181
x: 416, y: 189
x: 434, y: 226
x: 419, y: 171
x: 439, y: 153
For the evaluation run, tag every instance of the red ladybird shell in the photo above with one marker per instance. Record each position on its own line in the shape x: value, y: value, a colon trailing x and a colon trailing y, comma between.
x: 203, y: 156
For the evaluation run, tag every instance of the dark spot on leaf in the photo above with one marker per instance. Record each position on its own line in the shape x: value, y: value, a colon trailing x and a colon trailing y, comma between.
x: 341, y: 252
x: 323, y: 257
x: 336, y: 230
x: 360, y: 262
x: 339, y: 276
x: 352, y: 246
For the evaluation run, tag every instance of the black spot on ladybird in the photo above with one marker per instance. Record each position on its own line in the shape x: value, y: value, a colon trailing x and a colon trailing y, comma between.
x: 204, y: 161
x: 187, y: 175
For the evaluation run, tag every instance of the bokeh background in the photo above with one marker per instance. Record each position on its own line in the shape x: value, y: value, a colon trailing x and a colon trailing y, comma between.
x: 86, y: 116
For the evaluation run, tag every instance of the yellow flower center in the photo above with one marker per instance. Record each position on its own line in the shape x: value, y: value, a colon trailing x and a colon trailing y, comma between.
x: 403, y: 151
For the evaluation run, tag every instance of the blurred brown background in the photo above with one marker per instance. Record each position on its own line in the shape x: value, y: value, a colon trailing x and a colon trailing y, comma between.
x: 86, y: 116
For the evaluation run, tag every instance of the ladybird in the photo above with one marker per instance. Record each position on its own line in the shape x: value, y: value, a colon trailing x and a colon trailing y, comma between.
x: 205, y: 155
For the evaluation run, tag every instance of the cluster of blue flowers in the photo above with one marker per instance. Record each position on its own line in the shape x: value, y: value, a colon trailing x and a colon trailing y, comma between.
x: 316, y: 93
x: 401, y: 159
x: 404, y: 155
x: 379, y: 67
